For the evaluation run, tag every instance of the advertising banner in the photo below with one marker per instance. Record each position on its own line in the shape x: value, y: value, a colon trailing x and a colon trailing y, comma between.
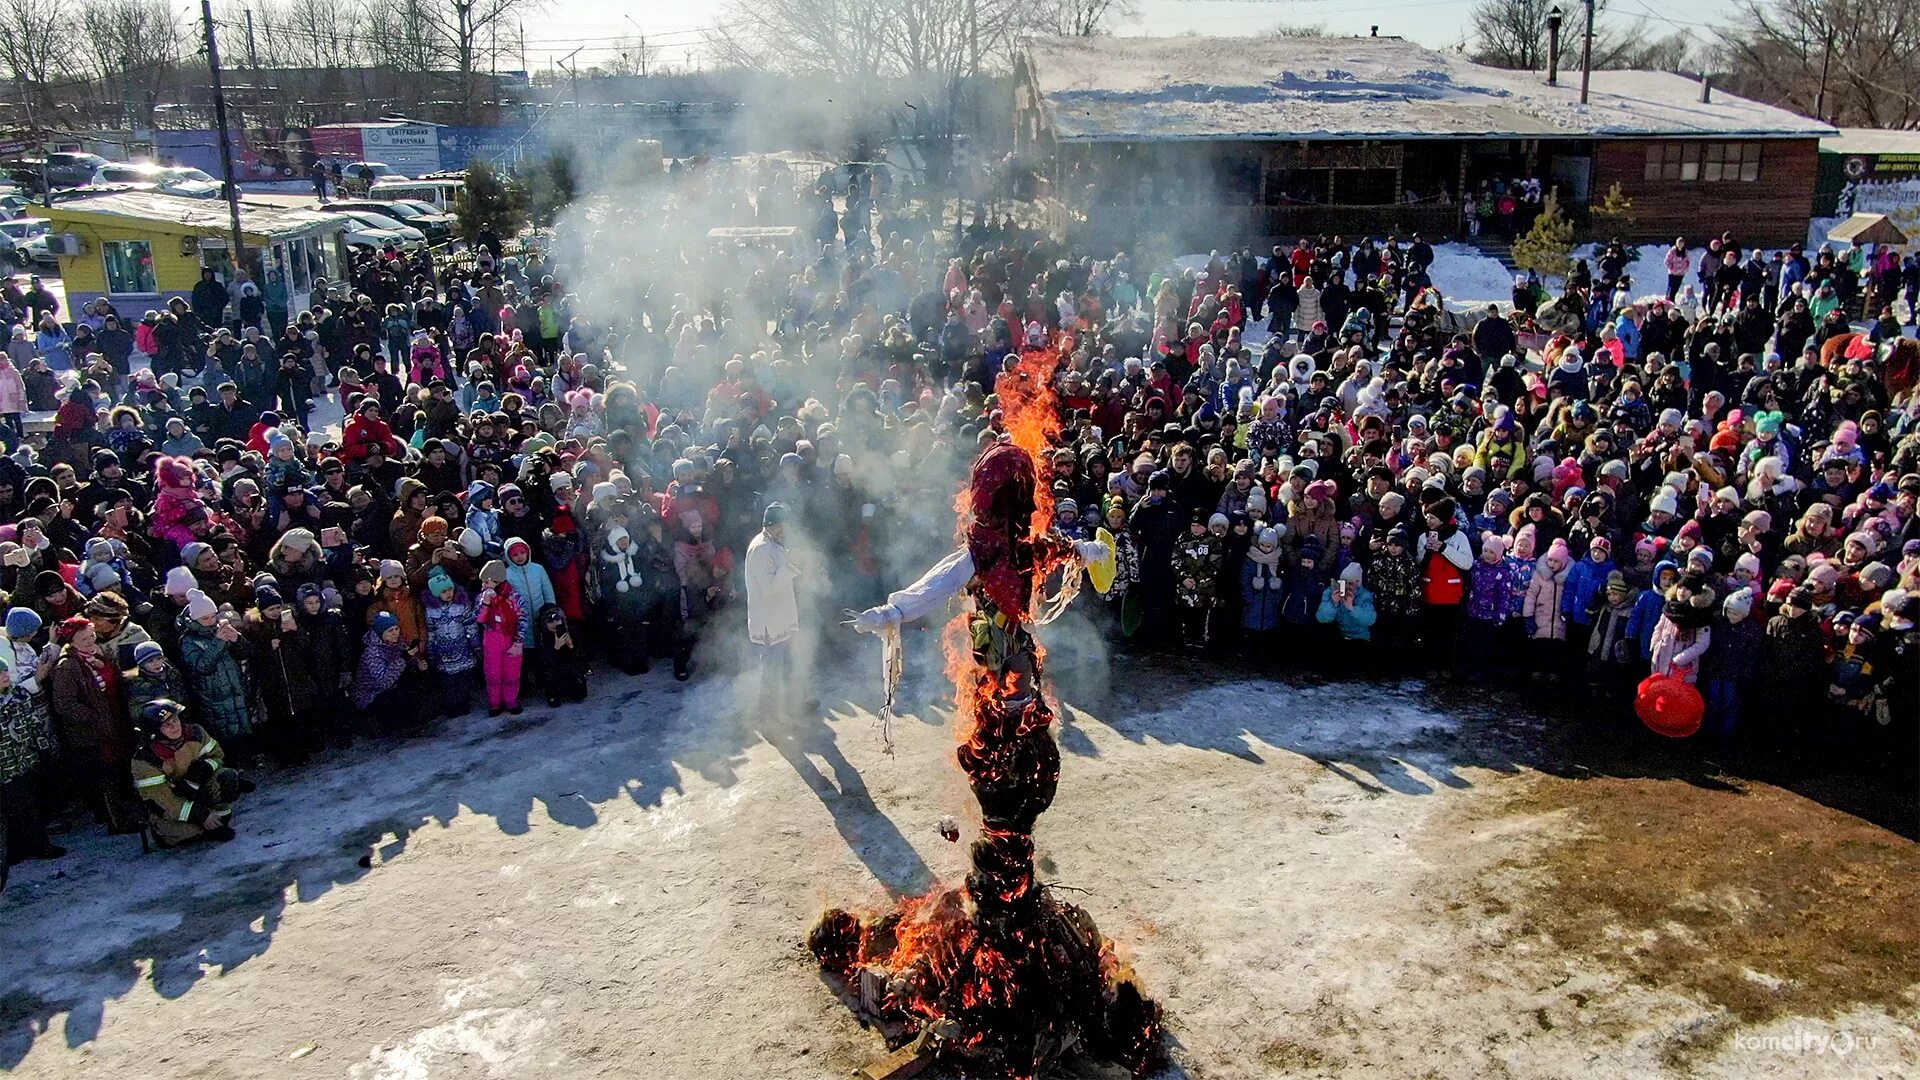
x: 411, y: 149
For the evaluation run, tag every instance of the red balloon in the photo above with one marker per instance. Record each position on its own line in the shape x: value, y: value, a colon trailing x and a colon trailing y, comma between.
x: 1669, y: 706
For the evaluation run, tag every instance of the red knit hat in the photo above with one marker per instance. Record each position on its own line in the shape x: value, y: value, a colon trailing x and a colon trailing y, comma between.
x: 70, y: 627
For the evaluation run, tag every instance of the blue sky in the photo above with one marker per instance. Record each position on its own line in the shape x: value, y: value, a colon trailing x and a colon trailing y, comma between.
x: 674, y: 27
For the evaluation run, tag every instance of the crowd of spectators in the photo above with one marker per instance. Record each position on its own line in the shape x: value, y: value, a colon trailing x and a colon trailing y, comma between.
x: 206, y: 573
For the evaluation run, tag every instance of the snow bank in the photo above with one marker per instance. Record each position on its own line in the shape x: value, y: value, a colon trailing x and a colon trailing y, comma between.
x: 1648, y: 268
x: 1464, y: 273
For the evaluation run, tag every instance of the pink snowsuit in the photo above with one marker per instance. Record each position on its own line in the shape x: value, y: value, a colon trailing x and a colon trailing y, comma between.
x: 499, y: 633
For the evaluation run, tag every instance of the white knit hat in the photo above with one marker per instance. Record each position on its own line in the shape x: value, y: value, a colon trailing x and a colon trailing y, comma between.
x: 200, y: 605
x: 180, y: 581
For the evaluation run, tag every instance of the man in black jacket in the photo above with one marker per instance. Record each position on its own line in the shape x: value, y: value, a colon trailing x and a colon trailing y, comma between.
x: 209, y: 301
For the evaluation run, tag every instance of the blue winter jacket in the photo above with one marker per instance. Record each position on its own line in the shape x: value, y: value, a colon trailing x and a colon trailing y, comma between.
x: 1356, y: 623
x: 1584, y: 582
x: 1648, y: 609
x: 533, y: 585
x: 1261, y: 591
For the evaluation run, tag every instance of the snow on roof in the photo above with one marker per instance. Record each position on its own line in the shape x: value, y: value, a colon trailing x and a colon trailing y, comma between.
x: 1127, y: 89
x: 201, y: 215
x: 1872, y: 141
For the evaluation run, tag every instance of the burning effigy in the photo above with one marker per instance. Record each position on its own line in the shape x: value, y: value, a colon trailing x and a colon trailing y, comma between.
x: 998, y: 976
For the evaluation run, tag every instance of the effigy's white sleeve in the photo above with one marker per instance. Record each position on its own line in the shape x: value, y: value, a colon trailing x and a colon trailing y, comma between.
x: 1091, y: 551
x: 922, y: 598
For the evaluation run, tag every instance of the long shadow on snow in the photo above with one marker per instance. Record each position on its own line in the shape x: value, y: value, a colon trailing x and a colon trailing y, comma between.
x: 181, y: 915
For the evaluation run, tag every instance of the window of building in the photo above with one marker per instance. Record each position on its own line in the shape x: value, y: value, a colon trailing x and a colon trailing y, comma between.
x: 1708, y: 161
x: 129, y: 266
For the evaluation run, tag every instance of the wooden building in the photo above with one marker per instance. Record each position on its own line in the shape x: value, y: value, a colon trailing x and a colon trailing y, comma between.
x: 1233, y: 140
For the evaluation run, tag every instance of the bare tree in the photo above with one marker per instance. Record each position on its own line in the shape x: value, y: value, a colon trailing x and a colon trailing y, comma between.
x: 36, y: 45
x: 1847, y: 61
x: 631, y: 57
x: 1082, y: 18
x: 1511, y: 33
x: 132, y: 45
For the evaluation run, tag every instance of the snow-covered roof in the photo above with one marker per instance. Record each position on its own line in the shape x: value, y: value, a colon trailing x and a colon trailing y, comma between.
x: 1872, y: 141
x: 1133, y: 89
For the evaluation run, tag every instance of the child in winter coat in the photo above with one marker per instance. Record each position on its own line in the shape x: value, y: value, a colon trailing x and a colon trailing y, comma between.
x: 1646, y: 612
x: 1545, y: 609
x: 176, y: 500
x: 1856, y: 665
x: 1733, y: 662
x: 1685, y: 632
x: 1196, y: 567
x: 562, y: 667
x: 1489, y: 605
x: 453, y: 640
x: 1300, y: 602
x: 1394, y: 579
x: 623, y: 605
x: 13, y: 397
x: 530, y: 584
x: 151, y: 678
x: 1585, y: 582
x: 376, y: 682
x: 393, y: 595
x: 501, y: 612
x: 1263, y: 583
x: 283, y: 467
x: 1612, y: 653
x: 1348, y: 606
x: 565, y: 556
x: 1126, y: 561
x: 484, y: 518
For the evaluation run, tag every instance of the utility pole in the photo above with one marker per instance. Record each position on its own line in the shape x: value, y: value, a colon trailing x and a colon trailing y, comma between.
x: 253, y: 58
x: 39, y: 140
x: 1826, y: 61
x: 1586, y: 55
x: 226, y: 137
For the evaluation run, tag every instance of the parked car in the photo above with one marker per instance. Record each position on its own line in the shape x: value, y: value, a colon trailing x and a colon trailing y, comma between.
x: 61, y: 170
x: 436, y: 226
x: 23, y: 242
x: 382, y: 221
x: 168, y: 179
x: 362, y: 234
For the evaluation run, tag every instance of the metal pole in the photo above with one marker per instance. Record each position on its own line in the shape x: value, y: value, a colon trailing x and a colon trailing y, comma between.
x: 226, y: 137
x: 1826, y: 59
x: 40, y: 142
x: 253, y: 57
x: 1586, y: 55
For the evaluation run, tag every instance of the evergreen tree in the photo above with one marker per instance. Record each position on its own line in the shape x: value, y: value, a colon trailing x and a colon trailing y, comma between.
x: 548, y: 188
x: 489, y: 202
x: 1614, y: 210
x: 1547, y: 248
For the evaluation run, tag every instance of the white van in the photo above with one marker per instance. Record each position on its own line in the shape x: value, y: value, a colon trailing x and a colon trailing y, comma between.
x: 439, y: 191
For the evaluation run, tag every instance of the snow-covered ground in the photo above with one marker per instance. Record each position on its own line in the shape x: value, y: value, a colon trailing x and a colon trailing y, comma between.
x: 620, y: 889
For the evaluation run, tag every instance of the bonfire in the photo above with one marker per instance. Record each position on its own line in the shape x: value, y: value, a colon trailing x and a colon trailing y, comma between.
x: 998, y: 976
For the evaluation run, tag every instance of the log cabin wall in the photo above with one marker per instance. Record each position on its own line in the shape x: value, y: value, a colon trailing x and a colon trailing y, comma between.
x: 1699, y: 188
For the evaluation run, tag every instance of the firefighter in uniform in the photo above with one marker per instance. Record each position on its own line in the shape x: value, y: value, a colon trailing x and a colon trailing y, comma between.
x: 180, y: 779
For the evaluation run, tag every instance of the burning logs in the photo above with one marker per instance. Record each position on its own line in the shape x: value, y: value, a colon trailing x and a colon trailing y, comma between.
x: 1000, y: 976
